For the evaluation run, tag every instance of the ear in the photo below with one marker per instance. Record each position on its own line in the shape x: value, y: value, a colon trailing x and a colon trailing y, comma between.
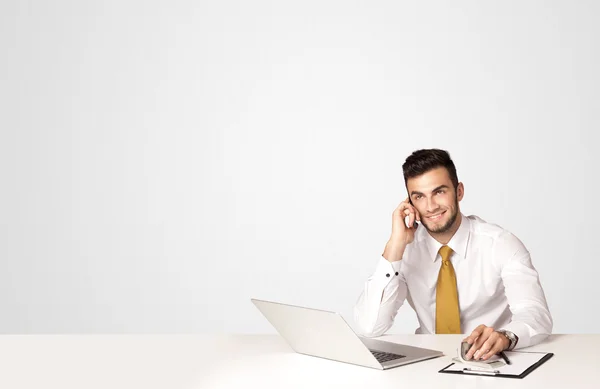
x: 460, y: 191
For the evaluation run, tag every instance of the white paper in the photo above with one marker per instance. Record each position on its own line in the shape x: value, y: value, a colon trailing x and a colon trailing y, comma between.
x: 520, y: 361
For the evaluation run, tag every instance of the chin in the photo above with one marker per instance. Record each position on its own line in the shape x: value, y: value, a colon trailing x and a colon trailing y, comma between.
x: 437, y: 229
x: 441, y: 226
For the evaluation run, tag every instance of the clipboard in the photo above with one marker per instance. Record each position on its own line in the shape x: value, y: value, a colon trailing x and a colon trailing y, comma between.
x: 522, y: 363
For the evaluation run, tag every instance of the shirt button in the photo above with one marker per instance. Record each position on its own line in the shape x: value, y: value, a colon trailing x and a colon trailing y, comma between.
x: 396, y: 273
x: 387, y: 275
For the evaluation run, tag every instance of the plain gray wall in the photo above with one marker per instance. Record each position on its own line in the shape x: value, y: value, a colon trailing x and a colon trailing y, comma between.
x: 164, y: 162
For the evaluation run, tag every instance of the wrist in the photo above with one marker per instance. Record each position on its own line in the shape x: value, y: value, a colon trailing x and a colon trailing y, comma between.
x: 393, y: 250
x: 511, y: 338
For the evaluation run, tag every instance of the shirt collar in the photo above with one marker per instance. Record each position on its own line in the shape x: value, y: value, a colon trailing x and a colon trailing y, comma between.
x: 458, y: 242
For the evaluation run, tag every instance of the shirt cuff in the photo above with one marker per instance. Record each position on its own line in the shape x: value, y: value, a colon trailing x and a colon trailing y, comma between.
x: 385, y: 267
x: 522, y: 332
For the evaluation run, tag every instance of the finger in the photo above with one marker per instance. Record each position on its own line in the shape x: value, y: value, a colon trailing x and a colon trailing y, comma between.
x: 403, y: 212
x: 410, y: 207
x: 399, y: 211
x: 485, y: 334
x: 414, y: 216
x: 487, y: 346
x: 475, y: 334
x: 496, y: 348
x: 481, y: 339
x: 400, y: 207
x: 409, y: 216
x: 408, y: 221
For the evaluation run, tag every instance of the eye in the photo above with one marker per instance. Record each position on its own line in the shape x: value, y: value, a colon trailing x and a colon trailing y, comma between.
x: 417, y: 197
x: 441, y: 191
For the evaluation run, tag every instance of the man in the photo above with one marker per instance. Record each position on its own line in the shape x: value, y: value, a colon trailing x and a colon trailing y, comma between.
x: 460, y: 274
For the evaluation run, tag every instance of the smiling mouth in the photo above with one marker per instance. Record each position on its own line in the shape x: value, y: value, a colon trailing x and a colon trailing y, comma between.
x: 436, y: 217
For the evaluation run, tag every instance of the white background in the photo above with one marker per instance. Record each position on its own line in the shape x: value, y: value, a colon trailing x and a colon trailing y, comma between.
x: 162, y: 162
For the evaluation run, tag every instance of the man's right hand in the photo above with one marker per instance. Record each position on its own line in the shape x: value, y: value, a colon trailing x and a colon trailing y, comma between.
x: 401, y: 235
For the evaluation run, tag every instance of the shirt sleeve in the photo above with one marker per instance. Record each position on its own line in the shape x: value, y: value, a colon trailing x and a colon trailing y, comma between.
x: 383, y: 294
x: 531, y: 319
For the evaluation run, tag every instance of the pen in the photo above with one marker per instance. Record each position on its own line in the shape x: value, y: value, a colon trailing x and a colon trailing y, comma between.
x: 488, y: 372
x: 504, y: 357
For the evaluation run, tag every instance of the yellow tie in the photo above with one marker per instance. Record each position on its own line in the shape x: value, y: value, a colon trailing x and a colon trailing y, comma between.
x: 447, y: 315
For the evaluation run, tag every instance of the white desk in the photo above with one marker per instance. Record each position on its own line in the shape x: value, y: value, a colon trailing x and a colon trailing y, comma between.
x: 263, y: 361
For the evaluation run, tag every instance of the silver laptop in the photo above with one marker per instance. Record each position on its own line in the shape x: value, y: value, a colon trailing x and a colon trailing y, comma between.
x: 327, y: 335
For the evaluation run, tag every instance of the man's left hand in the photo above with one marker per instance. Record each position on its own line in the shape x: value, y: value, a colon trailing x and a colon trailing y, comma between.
x: 485, y: 342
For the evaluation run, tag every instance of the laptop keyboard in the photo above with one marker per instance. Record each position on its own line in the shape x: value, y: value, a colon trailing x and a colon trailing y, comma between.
x: 385, y: 357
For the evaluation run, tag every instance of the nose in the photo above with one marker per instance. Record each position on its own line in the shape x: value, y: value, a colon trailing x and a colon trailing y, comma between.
x: 431, y: 205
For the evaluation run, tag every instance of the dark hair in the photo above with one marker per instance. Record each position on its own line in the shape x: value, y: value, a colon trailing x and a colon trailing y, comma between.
x: 422, y: 161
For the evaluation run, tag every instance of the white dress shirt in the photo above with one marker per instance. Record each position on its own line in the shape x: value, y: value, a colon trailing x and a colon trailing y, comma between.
x: 496, y: 281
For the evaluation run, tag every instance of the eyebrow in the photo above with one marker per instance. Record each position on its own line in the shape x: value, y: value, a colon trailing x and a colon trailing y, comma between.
x: 414, y: 192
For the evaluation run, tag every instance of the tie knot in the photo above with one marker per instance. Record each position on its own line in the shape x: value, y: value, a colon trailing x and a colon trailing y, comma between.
x: 445, y: 252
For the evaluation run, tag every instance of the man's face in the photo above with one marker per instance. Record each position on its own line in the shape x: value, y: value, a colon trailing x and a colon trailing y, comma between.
x: 434, y: 197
